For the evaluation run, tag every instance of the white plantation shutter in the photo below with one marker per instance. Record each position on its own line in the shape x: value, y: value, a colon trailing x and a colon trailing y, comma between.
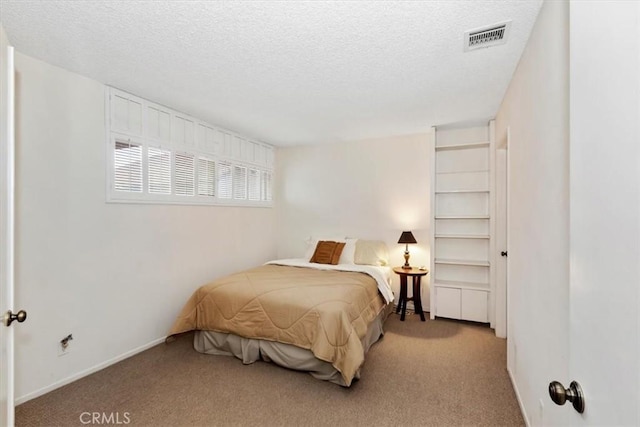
x: 159, y: 155
x: 206, y: 177
x: 159, y: 170
x: 254, y: 184
x: 266, y: 186
x: 239, y: 182
x: 185, y: 174
x: 224, y: 181
x: 127, y: 167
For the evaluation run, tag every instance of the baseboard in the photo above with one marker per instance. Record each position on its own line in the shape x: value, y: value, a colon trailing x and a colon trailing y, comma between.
x: 517, y: 392
x: 96, y: 368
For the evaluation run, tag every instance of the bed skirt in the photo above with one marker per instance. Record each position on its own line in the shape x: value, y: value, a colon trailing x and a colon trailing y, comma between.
x: 287, y: 355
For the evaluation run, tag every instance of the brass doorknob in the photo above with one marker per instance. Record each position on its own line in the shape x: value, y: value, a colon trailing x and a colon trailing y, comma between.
x: 9, y: 317
x: 573, y: 394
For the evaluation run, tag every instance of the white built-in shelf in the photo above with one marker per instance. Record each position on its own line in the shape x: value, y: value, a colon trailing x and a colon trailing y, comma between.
x: 462, y: 217
x: 462, y: 236
x: 464, y: 285
x: 462, y: 262
x: 463, y: 251
x: 460, y: 191
x: 465, y: 172
x: 462, y: 146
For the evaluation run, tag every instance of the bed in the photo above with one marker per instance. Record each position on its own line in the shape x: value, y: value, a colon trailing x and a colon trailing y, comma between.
x: 309, y: 316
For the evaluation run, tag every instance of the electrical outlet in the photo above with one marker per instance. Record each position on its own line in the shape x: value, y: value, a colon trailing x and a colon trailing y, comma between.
x: 64, y: 345
x: 62, y: 350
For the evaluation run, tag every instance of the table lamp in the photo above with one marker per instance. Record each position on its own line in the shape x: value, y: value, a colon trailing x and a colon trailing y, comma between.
x: 406, y: 237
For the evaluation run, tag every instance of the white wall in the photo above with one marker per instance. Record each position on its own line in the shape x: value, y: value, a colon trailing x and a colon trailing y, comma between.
x: 371, y: 189
x: 536, y: 108
x: 113, y: 275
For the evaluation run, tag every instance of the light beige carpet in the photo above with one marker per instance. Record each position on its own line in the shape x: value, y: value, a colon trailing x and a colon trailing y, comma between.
x: 421, y: 373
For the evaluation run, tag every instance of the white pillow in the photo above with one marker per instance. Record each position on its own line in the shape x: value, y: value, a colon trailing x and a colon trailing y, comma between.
x: 371, y: 252
x: 348, y: 252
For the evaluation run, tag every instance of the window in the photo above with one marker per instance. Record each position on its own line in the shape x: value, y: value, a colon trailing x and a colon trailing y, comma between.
x: 185, y: 174
x: 254, y: 184
x: 266, y: 186
x: 127, y: 169
x: 158, y: 155
x: 159, y: 170
x: 224, y: 181
x: 206, y: 177
x: 239, y: 183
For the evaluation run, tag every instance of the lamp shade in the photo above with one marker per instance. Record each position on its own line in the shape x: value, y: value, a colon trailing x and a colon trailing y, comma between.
x: 407, y: 237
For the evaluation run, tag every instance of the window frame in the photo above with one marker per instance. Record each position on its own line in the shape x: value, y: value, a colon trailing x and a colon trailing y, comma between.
x: 223, y: 151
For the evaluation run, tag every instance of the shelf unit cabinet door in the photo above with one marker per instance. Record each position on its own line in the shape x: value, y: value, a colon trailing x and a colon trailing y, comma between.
x: 474, y: 305
x: 448, y: 302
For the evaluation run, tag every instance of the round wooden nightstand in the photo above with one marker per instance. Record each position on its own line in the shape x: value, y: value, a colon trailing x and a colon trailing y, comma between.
x: 416, y: 274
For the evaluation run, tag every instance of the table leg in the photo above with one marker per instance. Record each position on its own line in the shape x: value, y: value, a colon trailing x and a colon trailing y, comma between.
x: 417, y: 297
x: 403, y: 296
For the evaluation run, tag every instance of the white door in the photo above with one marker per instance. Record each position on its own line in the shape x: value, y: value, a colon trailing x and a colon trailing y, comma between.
x: 604, y: 219
x: 6, y: 227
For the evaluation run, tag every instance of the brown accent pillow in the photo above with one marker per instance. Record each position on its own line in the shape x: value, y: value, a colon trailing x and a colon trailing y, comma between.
x: 327, y: 252
x: 337, y: 252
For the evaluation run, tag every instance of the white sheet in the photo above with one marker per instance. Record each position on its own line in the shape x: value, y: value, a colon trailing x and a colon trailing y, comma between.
x: 382, y: 275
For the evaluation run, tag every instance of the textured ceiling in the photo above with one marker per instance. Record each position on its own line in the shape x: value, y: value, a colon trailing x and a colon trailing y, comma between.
x: 286, y: 72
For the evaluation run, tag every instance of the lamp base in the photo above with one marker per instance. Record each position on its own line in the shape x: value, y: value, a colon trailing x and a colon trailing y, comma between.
x: 406, y: 265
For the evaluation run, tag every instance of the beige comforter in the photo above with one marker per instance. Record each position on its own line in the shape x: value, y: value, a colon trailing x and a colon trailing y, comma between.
x: 327, y: 312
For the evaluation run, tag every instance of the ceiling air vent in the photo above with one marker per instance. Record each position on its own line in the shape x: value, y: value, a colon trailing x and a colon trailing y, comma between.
x: 492, y: 35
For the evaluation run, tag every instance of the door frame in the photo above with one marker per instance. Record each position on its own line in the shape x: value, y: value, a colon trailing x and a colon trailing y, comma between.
x: 7, y: 186
x: 502, y: 237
